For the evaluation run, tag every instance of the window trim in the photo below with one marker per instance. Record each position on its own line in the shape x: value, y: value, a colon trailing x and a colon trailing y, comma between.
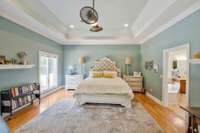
x: 51, y: 55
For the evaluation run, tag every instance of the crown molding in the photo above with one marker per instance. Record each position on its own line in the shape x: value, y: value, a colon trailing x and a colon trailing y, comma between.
x: 117, y: 41
x: 41, y: 2
x: 149, y: 6
x: 173, y: 21
x: 10, y: 12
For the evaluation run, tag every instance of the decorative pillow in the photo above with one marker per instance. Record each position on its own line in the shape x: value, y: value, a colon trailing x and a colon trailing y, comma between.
x: 96, y: 74
x: 109, y: 74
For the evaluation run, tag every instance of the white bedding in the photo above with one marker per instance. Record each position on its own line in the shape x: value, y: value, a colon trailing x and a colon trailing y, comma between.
x: 104, y: 90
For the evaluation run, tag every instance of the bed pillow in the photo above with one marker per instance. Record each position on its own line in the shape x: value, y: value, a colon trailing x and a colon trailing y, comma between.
x: 109, y: 74
x: 96, y: 74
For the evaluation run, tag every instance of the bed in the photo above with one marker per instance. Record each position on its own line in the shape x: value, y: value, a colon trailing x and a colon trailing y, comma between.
x: 104, y: 90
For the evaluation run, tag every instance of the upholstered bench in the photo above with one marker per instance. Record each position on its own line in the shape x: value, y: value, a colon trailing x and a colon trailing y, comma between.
x: 3, y: 127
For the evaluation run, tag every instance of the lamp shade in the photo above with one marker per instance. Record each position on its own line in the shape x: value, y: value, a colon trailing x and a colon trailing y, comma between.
x: 82, y: 60
x: 128, y: 60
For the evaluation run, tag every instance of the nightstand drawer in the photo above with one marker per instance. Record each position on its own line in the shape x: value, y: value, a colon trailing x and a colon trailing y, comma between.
x: 135, y: 84
x: 133, y: 79
x: 72, y: 81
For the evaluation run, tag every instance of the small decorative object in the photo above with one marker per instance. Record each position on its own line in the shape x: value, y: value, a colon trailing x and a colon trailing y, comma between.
x: 8, y: 62
x: 155, y: 67
x: 137, y: 74
x: 128, y: 61
x: 14, y: 61
x: 23, y: 58
x: 197, y: 55
x: 2, y: 59
x: 72, y: 70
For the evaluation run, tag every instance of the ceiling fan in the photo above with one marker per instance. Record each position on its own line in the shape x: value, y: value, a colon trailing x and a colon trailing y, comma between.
x: 90, y: 16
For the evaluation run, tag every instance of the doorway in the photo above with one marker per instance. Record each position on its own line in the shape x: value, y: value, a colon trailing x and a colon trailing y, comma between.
x: 176, y: 78
x: 48, y: 70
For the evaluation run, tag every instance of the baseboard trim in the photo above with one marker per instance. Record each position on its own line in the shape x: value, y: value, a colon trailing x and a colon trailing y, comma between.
x: 52, y: 91
x: 154, y: 98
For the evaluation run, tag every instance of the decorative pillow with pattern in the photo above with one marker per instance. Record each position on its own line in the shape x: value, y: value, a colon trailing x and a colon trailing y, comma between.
x: 96, y: 74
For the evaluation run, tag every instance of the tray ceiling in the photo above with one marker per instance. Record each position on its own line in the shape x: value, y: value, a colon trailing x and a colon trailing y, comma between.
x: 52, y: 18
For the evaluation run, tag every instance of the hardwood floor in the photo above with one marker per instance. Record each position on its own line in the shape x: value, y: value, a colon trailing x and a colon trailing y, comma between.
x: 166, y: 118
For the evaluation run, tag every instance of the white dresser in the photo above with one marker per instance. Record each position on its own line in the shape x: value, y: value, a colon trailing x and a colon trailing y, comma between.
x: 72, y: 81
x: 136, y: 83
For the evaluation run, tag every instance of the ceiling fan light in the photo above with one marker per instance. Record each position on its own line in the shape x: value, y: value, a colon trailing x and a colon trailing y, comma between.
x: 96, y: 28
x: 95, y: 24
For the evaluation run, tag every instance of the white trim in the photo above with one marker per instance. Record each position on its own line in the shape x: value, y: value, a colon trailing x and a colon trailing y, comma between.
x: 151, y: 5
x: 165, y: 73
x: 52, y: 91
x: 12, y: 66
x: 173, y: 21
x: 154, y: 98
x: 9, y: 11
x: 195, y: 61
x: 48, y: 54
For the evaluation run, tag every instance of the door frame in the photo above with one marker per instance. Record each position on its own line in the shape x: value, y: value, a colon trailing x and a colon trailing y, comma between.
x: 165, y: 72
x: 41, y: 52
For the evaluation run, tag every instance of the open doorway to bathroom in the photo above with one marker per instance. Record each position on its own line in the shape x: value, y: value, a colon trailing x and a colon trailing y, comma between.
x: 176, y: 78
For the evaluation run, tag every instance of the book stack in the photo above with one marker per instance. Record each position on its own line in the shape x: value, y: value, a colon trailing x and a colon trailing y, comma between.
x: 21, y: 101
x: 21, y: 90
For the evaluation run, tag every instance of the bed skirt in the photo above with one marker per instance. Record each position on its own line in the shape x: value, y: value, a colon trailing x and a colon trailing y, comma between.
x: 123, y: 100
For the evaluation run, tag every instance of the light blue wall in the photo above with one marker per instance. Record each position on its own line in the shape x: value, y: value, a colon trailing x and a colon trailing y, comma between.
x: 14, y: 39
x: 186, y: 31
x: 115, y: 52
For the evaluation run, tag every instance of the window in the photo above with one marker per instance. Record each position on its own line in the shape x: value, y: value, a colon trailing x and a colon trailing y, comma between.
x: 48, y: 71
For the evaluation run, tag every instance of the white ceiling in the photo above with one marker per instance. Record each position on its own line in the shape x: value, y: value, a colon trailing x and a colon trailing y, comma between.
x: 51, y: 18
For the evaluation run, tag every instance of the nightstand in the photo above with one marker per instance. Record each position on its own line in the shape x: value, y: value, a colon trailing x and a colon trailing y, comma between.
x: 136, y: 83
x: 72, y: 81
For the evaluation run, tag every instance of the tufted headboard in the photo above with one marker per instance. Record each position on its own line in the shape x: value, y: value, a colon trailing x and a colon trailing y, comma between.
x: 105, y: 64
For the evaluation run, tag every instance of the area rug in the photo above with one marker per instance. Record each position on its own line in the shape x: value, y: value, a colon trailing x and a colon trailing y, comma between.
x: 66, y: 117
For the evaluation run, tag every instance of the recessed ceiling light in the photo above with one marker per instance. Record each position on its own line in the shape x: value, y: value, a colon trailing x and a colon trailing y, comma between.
x: 125, y: 25
x: 71, y: 26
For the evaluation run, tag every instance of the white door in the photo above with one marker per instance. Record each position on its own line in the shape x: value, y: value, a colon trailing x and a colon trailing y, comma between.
x: 48, y: 65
